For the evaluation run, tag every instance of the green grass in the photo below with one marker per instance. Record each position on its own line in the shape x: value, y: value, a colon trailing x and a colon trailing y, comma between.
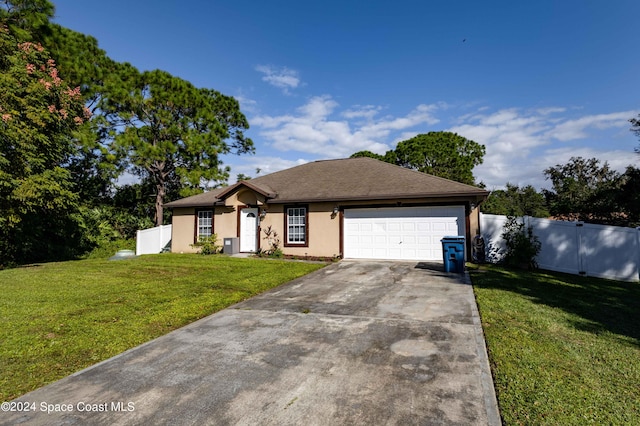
x: 58, y: 318
x: 564, y: 349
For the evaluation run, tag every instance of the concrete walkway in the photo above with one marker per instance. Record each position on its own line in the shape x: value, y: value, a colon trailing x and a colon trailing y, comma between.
x: 357, y: 343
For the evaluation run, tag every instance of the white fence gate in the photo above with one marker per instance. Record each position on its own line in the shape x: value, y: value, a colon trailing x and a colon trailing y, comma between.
x: 574, y: 247
x: 152, y: 240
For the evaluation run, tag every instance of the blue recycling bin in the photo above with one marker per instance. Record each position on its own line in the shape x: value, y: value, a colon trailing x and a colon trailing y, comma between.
x: 453, y: 254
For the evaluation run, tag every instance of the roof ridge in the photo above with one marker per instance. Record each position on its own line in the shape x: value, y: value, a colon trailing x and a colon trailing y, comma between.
x: 358, y: 178
x: 367, y: 159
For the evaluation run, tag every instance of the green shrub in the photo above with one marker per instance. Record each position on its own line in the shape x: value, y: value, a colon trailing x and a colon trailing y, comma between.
x: 522, y: 245
x: 277, y: 253
x: 106, y: 249
x: 207, y: 245
x: 107, y: 226
x: 274, y: 250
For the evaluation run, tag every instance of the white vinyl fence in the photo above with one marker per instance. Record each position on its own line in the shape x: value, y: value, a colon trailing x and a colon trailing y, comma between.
x: 153, y: 240
x: 574, y: 247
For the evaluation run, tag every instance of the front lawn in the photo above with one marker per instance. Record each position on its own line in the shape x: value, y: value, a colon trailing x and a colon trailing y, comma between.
x: 564, y: 349
x: 58, y: 318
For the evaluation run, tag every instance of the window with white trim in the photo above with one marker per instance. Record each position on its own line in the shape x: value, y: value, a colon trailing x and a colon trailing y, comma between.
x: 205, y: 224
x: 297, y: 225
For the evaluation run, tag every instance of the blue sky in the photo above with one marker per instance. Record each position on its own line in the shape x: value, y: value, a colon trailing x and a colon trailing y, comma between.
x: 535, y: 82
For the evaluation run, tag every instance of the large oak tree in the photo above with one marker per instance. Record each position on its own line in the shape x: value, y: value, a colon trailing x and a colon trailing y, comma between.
x: 443, y: 154
x: 583, y: 190
x: 516, y: 201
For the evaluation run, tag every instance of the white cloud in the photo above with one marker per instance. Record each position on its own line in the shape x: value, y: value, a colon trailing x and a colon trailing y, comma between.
x: 521, y: 144
x: 314, y: 130
x: 318, y: 107
x: 577, y: 129
x: 269, y: 122
x: 506, y: 131
x: 422, y: 114
x: 550, y: 110
x: 403, y: 136
x: 366, y: 112
x: 266, y: 164
x: 246, y: 104
x: 281, y: 77
x: 127, y: 178
x: 617, y: 159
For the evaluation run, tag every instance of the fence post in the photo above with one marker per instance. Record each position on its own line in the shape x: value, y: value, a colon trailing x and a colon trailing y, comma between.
x: 581, y: 248
x: 138, y: 248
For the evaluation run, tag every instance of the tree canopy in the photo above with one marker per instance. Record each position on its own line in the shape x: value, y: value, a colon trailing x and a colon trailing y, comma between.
x: 444, y: 154
x: 389, y: 158
x: 635, y: 128
x: 516, y: 201
x: 39, y: 114
x: 72, y: 120
x: 628, y: 196
x: 583, y: 190
x: 25, y: 19
x: 167, y: 130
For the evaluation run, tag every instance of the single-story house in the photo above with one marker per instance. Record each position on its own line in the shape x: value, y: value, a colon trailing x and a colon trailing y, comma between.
x: 351, y: 208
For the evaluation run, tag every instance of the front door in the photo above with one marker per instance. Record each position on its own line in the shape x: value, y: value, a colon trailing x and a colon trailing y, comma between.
x: 249, y: 230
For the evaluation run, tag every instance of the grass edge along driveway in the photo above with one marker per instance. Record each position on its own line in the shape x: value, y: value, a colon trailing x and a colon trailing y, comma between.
x: 58, y: 318
x: 563, y: 349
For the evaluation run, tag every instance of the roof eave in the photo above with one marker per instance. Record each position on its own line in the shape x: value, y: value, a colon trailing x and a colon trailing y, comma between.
x: 173, y: 205
x: 479, y: 194
x: 236, y: 187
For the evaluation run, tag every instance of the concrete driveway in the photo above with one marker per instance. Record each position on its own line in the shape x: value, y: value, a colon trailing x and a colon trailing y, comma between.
x: 357, y: 342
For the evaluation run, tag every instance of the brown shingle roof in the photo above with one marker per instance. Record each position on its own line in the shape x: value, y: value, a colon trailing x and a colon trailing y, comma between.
x: 345, y: 180
x: 205, y: 199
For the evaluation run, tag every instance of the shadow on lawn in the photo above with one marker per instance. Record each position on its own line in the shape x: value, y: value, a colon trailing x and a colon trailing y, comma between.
x: 602, y: 304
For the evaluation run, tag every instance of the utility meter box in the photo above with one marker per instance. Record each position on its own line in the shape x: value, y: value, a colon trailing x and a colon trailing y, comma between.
x: 231, y: 245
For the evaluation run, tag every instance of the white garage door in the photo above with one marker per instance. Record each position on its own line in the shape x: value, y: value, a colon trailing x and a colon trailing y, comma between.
x: 403, y: 233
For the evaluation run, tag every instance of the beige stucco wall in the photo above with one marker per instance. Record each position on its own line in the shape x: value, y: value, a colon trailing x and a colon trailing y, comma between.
x: 183, y: 230
x: 225, y: 223
x: 244, y: 197
x: 324, y: 230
